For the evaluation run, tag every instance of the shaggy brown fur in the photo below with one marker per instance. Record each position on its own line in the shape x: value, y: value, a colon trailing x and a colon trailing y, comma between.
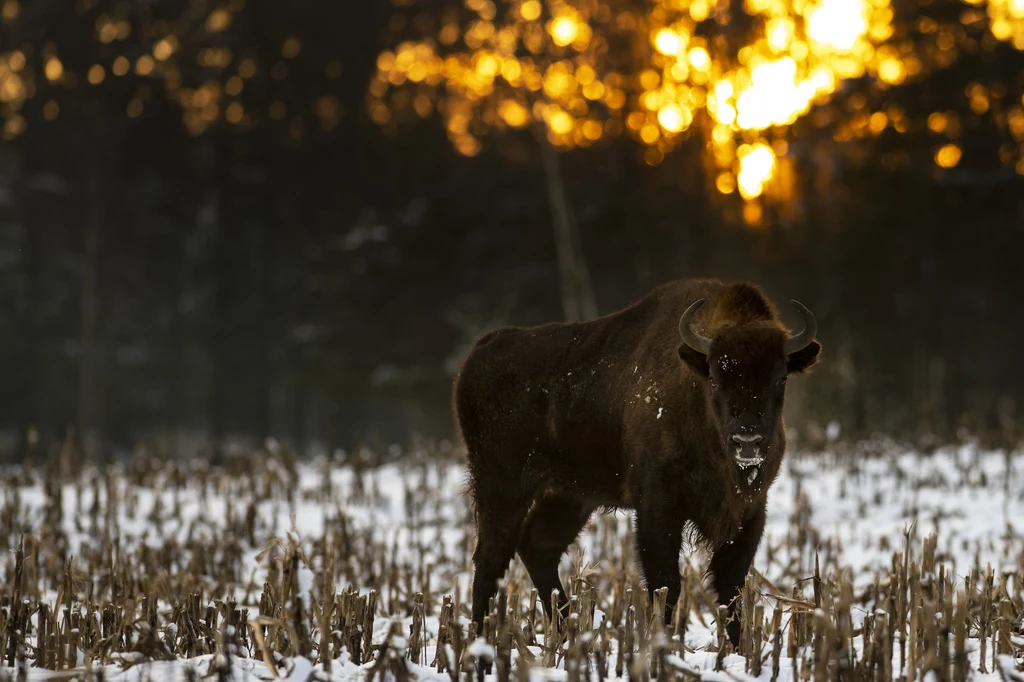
x: 562, y: 419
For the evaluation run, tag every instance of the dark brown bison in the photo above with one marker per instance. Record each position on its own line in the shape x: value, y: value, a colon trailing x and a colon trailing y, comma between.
x: 671, y: 407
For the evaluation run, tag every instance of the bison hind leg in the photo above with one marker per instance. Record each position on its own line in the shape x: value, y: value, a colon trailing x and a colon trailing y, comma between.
x: 500, y: 513
x: 553, y: 524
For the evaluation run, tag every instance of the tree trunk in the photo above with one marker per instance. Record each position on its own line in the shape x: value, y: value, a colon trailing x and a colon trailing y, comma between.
x: 265, y: 329
x: 174, y: 368
x: 578, y: 302
x: 89, y: 309
x: 31, y: 341
x: 218, y: 325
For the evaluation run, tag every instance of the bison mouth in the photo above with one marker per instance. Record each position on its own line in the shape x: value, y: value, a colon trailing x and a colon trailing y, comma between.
x: 747, y: 462
x: 749, y: 467
x: 748, y: 453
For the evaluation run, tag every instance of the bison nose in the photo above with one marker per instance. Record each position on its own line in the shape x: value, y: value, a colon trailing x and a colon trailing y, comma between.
x: 748, y: 449
x: 744, y: 438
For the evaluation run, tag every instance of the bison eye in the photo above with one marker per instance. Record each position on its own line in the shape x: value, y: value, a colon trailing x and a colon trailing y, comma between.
x: 781, y: 382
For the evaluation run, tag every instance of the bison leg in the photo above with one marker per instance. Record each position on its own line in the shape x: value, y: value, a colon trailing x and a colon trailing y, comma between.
x: 499, y: 519
x: 659, y: 535
x: 729, y: 566
x: 550, y: 528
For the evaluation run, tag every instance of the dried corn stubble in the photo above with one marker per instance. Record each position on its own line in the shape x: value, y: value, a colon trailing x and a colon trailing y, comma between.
x: 280, y: 561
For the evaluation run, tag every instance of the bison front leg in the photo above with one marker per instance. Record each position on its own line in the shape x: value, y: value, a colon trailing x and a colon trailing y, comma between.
x: 659, y: 534
x: 729, y: 566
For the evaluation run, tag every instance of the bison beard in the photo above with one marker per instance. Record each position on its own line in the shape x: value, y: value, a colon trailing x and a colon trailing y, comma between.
x: 671, y: 407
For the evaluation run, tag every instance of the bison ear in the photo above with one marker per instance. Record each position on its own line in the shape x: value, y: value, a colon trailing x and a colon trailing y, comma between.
x: 802, y: 360
x: 697, y: 361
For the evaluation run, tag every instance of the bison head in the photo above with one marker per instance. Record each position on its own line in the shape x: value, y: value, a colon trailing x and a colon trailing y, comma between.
x: 746, y: 367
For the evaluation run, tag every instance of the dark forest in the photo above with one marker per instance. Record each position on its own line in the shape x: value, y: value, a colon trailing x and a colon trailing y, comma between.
x: 230, y: 221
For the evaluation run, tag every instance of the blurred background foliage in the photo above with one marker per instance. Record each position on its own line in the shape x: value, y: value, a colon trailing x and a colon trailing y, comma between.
x: 239, y: 219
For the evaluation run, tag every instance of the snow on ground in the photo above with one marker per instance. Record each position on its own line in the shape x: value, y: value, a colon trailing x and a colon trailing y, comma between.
x: 853, y: 510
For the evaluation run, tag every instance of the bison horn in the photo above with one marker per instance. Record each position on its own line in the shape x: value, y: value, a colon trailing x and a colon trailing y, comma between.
x: 804, y: 338
x: 701, y: 344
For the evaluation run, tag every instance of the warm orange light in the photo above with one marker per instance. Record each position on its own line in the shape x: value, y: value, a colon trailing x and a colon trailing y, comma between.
x: 699, y: 59
x: 667, y: 41
x: 291, y: 48
x: 509, y: 70
x: 530, y: 10
x: 218, y: 20
x: 16, y: 61
x: 163, y: 49
x: 514, y: 113
x: 96, y: 74
x: 752, y: 213
x: 757, y: 165
x: 564, y: 31
x: 948, y: 156
x: 9, y: 10
x: 891, y: 71
x: 725, y: 182
x: 838, y: 24
x: 779, y: 33
x: 15, y: 125
x: 54, y: 69
x: 106, y: 29
x: 234, y: 113
x: 144, y: 66
x: 560, y: 122
x: 878, y: 122
x: 674, y: 118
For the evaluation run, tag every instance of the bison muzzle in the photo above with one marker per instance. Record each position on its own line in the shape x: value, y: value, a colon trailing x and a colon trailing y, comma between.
x: 671, y: 407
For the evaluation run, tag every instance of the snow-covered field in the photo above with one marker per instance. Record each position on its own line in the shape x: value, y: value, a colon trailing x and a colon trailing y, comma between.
x: 133, y: 559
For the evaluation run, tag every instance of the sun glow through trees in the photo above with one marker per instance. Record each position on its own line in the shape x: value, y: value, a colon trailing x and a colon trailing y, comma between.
x: 588, y: 69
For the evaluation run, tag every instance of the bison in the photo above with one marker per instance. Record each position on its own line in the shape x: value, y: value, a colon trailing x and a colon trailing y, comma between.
x: 671, y: 407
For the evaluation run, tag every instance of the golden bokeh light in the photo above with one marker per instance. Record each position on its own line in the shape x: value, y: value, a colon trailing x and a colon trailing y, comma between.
x: 16, y: 61
x: 54, y: 69
x: 552, y: 62
x: 96, y: 74
x: 9, y: 10
x: 291, y: 47
x: 838, y: 24
x: 135, y: 107
x: 948, y: 156
x: 234, y: 113
x: 756, y: 167
x: 247, y: 68
x: 144, y: 66
x: 667, y: 41
x: 725, y: 182
x: 564, y: 30
x: 514, y: 113
x: 218, y: 20
x: 530, y: 10
x: 164, y: 49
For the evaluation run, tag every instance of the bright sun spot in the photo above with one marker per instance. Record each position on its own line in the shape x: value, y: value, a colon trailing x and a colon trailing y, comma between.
x: 667, y: 41
x: 838, y: 23
x: 757, y: 164
x: 774, y: 96
x: 564, y: 31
